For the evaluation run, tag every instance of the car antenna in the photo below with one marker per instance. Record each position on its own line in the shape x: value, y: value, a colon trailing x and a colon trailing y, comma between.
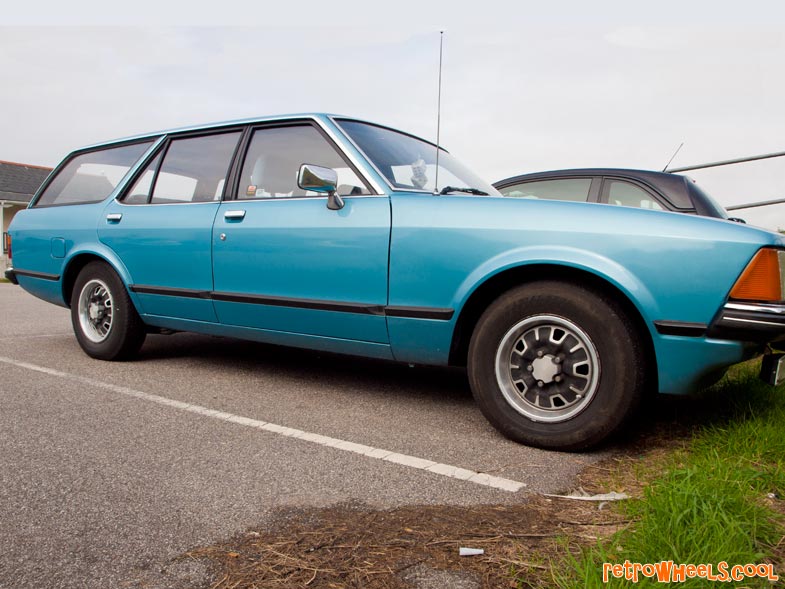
x: 438, y: 113
x: 665, y: 169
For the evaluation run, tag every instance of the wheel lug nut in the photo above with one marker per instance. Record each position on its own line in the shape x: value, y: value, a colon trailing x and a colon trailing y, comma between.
x: 557, y: 360
x: 540, y: 354
x: 540, y: 383
x: 530, y: 368
x: 557, y: 378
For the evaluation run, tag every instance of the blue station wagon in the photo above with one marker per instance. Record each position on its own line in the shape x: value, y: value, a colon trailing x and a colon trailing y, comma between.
x: 335, y: 234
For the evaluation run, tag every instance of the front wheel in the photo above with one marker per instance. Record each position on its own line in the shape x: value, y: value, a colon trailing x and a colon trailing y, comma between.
x: 556, y: 366
x: 104, y: 319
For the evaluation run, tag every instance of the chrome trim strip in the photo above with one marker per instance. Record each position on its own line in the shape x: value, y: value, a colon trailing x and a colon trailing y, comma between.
x: 308, y: 197
x: 205, y: 127
x: 351, y: 141
x: 340, y: 140
x: 750, y: 321
x: 756, y: 308
x: 244, y: 200
x: 170, y: 204
x: 337, y: 139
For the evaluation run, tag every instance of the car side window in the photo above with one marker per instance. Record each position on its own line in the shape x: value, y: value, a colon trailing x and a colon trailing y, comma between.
x: 274, y: 158
x: 625, y: 194
x: 572, y: 189
x: 193, y: 169
x: 140, y: 191
x: 92, y: 176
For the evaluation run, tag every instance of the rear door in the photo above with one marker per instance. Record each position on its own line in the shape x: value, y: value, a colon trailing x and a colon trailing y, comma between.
x: 162, y: 226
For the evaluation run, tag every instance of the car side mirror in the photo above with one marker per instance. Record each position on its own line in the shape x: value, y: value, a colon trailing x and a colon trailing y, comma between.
x: 322, y: 180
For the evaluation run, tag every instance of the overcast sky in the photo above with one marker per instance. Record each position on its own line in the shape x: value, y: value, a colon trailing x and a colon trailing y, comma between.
x: 525, y: 87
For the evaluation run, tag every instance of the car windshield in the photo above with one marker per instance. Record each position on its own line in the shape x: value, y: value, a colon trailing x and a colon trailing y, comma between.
x: 409, y: 163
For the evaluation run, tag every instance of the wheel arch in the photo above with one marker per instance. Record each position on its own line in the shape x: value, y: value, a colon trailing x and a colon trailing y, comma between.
x: 79, y: 260
x: 494, y: 286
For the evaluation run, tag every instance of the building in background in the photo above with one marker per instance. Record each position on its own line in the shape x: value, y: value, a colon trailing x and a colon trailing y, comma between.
x: 18, y: 184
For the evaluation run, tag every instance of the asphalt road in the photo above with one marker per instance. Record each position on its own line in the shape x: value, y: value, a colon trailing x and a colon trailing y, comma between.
x: 108, y: 471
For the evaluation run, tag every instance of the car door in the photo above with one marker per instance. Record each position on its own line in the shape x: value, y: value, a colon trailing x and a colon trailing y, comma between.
x: 161, y: 228
x: 283, y: 261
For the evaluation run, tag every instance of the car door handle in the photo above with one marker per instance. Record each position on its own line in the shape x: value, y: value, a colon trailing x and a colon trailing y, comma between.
x: 114, y: 217
x: 234, y: 215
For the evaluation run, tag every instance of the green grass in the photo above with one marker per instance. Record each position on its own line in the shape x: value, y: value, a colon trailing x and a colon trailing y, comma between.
x: 708, y: 502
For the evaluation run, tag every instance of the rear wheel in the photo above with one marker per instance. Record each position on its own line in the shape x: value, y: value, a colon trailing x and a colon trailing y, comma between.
x: 556, y: 366
x: 105, y: 321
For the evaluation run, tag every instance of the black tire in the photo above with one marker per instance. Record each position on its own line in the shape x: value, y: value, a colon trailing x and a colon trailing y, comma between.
x: 104, y: 319
x: 556, y: 366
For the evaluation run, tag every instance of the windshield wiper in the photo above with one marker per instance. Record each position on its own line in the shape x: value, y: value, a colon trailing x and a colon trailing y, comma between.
x: 449, y: 189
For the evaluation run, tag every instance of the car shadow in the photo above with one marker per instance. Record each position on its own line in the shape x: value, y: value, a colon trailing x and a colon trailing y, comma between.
x: 662, y: 420
x: 351, y: 372
x: 669, y: 419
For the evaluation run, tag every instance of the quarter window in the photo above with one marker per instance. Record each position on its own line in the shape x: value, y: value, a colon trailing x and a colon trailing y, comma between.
x: 274, y: 159
x: 92, y: 176
x: 573, y: 189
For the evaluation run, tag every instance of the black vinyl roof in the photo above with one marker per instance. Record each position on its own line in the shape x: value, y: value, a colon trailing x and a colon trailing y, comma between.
x: 671, y: 186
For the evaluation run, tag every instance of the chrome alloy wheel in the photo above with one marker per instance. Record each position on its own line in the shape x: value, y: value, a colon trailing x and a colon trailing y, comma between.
x: 547, y: 368
x: 95, y: 310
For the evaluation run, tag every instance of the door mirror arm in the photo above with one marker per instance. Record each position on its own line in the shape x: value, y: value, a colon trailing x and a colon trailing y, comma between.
x: 334, y: 201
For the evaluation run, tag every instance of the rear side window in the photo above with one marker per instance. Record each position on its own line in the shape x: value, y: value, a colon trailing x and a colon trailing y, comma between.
x: 574, y: 189
x: 92, y: 176
x: 193, y: 169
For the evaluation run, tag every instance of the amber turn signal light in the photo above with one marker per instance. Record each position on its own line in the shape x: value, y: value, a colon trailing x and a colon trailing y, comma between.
x: 761, y: 279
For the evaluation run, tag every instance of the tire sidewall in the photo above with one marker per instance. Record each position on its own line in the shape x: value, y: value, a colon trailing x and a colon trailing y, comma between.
x: 123, y: 313
x: 620, y: 364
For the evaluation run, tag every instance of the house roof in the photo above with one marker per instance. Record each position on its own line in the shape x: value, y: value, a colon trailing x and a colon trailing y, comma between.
x: 19, y: 182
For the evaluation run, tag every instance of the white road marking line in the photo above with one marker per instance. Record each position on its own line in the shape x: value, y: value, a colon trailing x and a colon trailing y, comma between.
x: 446, y: 470
x: 13, y: 337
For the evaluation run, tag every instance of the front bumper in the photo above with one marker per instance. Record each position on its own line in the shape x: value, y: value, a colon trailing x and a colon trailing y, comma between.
x: 11, y: 276
x: 751, y: 322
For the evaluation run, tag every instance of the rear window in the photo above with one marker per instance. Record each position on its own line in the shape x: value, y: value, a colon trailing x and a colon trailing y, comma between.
x: 92, y: 176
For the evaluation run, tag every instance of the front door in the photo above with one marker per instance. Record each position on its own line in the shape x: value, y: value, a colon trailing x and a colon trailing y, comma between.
x: 283, y: 261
